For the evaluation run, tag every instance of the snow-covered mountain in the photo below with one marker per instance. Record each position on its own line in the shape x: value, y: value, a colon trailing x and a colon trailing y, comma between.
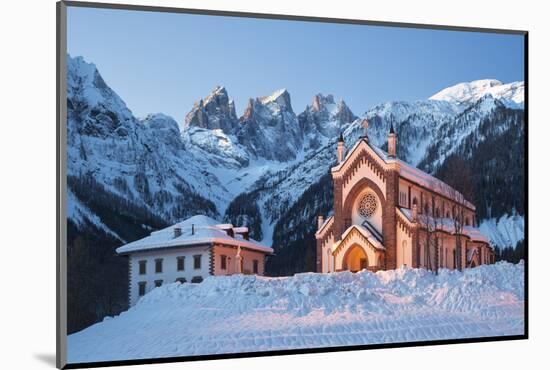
x: 216, y: 111
x: 137, y: 162
x: 269, y: 128
x: 415, y: 122
x: 469, y: 92
x: 324, y: 118
x: 270, y: 154
x: 506, y: 231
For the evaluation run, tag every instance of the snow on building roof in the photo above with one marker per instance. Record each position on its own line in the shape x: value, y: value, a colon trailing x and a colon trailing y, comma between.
x: 366, y: 233
x: 240, y: 230
x: 321, y: 229
x: 447, y: 225
x: 413, y: 174
x: 195, y: 230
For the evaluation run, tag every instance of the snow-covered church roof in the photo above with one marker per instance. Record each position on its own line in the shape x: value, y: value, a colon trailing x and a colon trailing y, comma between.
x: 447, y: 225
x: 411, y: 173
x: 194, y: 231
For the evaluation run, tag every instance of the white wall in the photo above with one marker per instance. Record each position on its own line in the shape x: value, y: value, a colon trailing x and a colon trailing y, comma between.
x: 404, y: 252
x: 326, y: 258
x: 169, y: 268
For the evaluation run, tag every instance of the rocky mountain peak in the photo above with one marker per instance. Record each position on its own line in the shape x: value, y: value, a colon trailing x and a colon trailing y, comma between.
x: 269, y: 128
x: 343, y: 113
x: 326, y: 117
x: 320, y: 102
x: 280, y: 100
x: 215, y: 111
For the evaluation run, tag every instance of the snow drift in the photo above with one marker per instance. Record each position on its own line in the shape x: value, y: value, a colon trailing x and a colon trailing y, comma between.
x: 250, y: 313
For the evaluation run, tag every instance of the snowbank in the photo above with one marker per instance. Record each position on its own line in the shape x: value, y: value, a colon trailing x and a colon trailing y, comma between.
x: 249, y: 313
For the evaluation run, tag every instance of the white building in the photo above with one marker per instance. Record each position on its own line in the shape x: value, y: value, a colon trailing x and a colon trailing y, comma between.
x: 190, y: 251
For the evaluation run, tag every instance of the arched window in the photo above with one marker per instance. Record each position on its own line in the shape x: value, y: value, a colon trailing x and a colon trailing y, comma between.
x: 367, y: 205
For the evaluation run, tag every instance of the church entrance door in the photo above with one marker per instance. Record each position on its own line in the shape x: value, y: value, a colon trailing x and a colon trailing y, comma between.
x: 355, y: 259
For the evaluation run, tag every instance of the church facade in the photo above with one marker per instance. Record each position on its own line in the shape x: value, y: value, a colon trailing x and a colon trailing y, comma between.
x: 389, y: 214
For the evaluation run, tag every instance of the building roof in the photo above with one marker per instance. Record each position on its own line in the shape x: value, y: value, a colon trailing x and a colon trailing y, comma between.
x: 322, y: 228
x: 363, y: 231
x: 195, y: 230
x: 413, y: 174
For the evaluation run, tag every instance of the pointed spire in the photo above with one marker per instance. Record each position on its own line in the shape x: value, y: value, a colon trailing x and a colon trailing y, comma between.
x: 392, y: 143
x: 365, y: 124
x: 340, y: 150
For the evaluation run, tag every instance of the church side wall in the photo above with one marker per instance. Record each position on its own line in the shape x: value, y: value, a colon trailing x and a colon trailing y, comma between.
x: 404, y: 248
x: 327, y: 255
x: 390, y: 218
x: 409, y: 191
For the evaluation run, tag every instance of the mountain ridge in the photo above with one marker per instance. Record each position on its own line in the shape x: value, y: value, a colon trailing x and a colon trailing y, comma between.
x: 232, y: 155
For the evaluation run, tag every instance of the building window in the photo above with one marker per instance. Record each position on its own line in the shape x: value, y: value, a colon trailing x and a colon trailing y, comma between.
x: 467, y: 221
x: 197, y: 262
x: 181, y: 280
x: 224, y: 262
x: 158, y: 265
x: 142, y: 267
x: 255, y: 266
x: 181, y: 263
x: 196, y: 279
x: 141, y: 288
x: 158, y: 283
x: 403, y: 199
x: 367, y: 205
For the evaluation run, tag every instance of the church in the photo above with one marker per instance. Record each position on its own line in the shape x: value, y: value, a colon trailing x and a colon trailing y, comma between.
x: 389, y: 214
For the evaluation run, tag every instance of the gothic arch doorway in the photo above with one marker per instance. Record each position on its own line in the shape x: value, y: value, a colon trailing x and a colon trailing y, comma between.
x: 355, y: 259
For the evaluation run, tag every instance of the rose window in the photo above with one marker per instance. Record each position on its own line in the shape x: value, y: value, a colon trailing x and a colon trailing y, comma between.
x: 367, y: 205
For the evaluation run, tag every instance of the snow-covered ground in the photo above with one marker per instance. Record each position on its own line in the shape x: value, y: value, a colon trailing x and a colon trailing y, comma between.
x: 249, y: 313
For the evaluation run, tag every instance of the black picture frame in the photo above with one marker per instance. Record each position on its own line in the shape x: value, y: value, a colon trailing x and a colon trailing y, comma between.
x: 61, y: 186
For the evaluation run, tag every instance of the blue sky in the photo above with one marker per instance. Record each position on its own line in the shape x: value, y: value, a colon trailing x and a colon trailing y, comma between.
x: 164, y: 62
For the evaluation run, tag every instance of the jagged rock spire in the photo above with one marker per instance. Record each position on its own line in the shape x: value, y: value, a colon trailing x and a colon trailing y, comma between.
x: 216, y: 111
